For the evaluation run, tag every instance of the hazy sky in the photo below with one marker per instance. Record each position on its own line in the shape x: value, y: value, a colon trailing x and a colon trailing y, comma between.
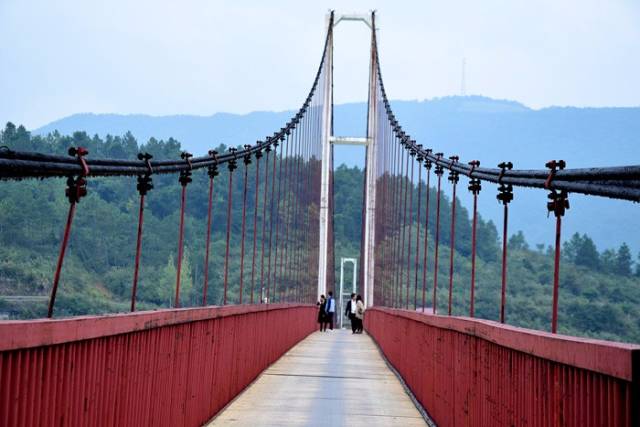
x: 201, y: 57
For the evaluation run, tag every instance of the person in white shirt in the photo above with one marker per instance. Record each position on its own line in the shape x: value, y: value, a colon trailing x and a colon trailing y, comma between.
x: 350, y: 311
x: 359, y: 314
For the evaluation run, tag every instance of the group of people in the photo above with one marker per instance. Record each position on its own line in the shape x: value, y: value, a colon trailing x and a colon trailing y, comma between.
x: 326, y: 311
x: 354, y: 310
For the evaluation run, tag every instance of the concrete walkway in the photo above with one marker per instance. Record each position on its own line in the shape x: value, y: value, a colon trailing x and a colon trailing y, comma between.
x: 329, y: 379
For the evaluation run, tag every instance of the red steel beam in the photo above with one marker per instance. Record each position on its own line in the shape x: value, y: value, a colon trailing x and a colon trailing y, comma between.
x: 468, y: 371
x: 168, y: 367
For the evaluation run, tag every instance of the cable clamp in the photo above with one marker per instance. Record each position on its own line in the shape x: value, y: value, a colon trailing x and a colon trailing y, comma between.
x: 185, y: 175
x: 144, y: 180
x: 77, y: 187
x: 558, y: 202
x: 554, y: 166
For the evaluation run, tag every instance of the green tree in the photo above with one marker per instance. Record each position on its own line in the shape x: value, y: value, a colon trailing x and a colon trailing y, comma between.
x: 608, y: 261
x: 570, y: 247
x: 623, y: 261
x: 587, y: 254
x: 518, y: 242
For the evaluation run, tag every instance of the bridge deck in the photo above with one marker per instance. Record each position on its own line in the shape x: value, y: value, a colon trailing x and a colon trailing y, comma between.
x: 333, y: 378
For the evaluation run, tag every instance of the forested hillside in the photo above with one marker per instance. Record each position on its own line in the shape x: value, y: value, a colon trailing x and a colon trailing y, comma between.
x: 599, y: 296
x: 474, y: 127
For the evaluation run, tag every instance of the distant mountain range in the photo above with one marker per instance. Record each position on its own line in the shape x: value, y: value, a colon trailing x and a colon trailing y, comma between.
x: 475, y: 127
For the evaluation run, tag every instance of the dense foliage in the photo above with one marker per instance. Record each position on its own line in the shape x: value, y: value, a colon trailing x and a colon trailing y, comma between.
x: 599, y: 296
x: 99, y: 264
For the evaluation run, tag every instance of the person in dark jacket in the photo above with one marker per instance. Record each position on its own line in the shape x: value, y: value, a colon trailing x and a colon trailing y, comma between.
x: 322, y: 314
x: 350, y: 311
x: 330, y: 311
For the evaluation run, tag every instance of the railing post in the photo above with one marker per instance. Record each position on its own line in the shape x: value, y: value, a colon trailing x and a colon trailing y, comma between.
x: 231, y: 166
x: 412, y: 154
x: 247, y: 162
x: 212, y: 172
x: 255, y: 225
x: 144, y: 186
x: 419, y: 158
x: 558, y: 203
x: 427, y: 166
x: 184, y: 179
x: 505, y: 195
x: 276, y: 142
x: 76, y: 189
x: 264, y: 216
x: 453, y: 178
x: 475, y: 187
x: 278, y: 220
x: 439, y: 170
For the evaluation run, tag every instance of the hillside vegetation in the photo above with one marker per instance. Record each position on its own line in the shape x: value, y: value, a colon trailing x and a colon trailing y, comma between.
x: 599, y: 291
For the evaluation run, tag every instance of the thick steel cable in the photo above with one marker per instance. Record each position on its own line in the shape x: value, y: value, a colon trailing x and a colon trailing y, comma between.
x: 614, y: 182
x: 15, y: 164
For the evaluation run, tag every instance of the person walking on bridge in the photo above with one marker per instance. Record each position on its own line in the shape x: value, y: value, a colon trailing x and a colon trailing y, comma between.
x: 322, y: 314
x: 350, y: 311
x: 359, y: 314
x: 330, y: 311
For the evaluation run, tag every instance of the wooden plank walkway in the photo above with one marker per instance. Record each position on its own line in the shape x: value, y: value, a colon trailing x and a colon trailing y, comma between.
x: 329, y: 379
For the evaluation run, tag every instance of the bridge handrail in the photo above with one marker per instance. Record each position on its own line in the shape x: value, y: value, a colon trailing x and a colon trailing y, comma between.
x: 23, y: 334
x: 606, y: 357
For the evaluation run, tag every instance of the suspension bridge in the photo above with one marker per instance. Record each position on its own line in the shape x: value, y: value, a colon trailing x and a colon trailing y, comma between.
x: 189, y: 365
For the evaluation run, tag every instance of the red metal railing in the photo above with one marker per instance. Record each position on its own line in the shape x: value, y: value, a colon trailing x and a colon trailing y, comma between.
x: 481, y: 373
x: 171, y: 367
